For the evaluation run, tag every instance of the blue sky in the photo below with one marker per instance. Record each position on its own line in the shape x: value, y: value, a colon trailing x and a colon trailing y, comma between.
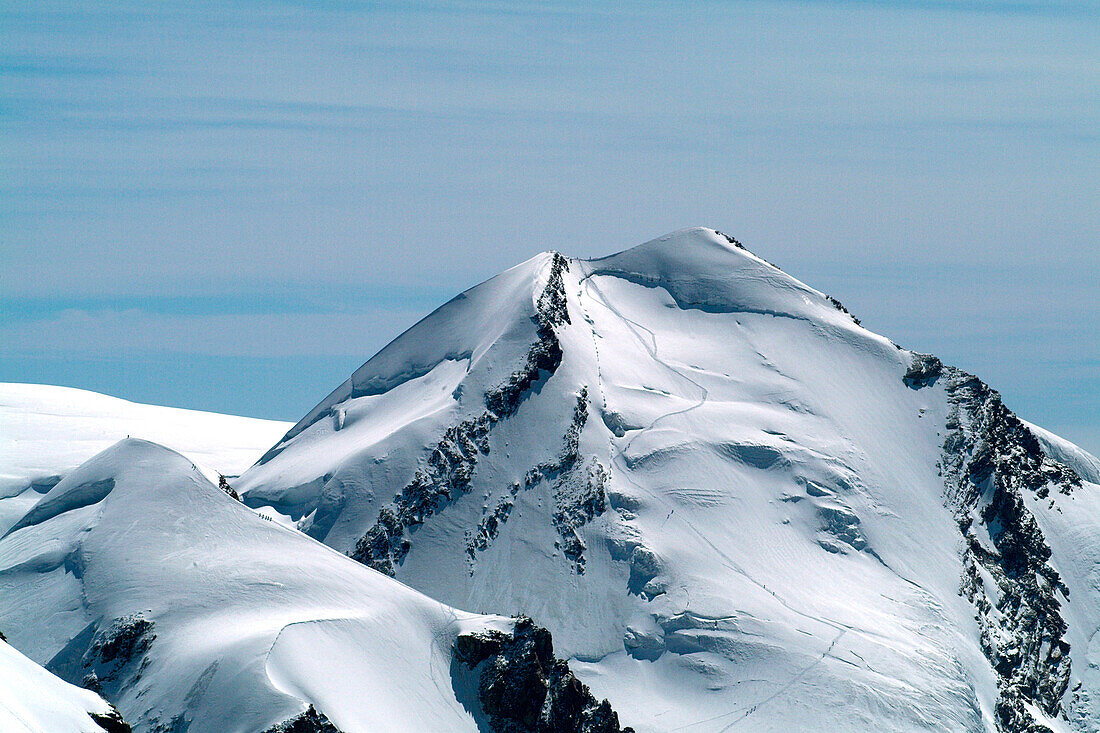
x: 231, y: 206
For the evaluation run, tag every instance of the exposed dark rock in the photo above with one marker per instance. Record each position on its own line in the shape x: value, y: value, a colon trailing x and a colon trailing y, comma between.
x: 111, y: 721
x: 106, y: 660
x: 843, y: 524
x: 545, y: 354
x: 128, y: 638
x: 569, y: 453
x: 2, y: 637
x: 449, y: 469
x: 488, y: 528
x: 310, y: 721
x: 578, y: 503
x: 923, y: 372
x: 645, y: 566
x: 579, y: 495
x: 523, y: 688
x: 840, y: 307
x: 729, y: 239
x: 223, y: 484
x: 990, y: 461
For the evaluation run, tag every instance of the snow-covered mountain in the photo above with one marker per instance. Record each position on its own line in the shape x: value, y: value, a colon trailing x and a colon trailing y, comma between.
x: 46, y: 432
x: 34, y: 701
x: 733, y: 506
x: 138, y: 578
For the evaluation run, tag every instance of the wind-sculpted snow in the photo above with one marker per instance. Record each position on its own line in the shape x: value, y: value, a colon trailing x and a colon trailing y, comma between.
x: 733, y: 506
x: 191, y: 613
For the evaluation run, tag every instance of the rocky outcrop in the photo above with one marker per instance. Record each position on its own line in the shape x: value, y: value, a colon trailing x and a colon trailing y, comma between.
x: 990, y: 462
x: 449, y: 469
x: 732, y: 240
x: 523, y: 688
x: 577, y: 502
x: 107, y: 660
x: 128, y: 638
x: 111, y: 721
x: 577, y: 489
x: 310, y: 721
x: 923, y: 372
x: 223, y: 484
x: 487, y: 529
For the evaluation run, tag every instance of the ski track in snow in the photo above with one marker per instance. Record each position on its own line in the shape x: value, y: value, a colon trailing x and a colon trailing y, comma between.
x: 752, y: 709
x: 586, y: 284
x: 619, y: 455
x: 651, y: 349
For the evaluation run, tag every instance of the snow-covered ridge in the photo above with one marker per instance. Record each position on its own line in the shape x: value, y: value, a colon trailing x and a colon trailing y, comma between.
x: 706, y: 270
x: 47, y: 431
x: 458, y: 331
x: 34, y: 701
x: 136, y: 577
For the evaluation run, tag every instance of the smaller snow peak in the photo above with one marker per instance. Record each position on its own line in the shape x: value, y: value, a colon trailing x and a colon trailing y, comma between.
x: 692, y: 246
x: 704, y: 269
x: 94, y: 480
x: 695, y: 255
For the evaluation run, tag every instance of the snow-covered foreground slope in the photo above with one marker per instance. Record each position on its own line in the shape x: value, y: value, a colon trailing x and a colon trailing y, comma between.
x: 734, y: 507
x: 34, y: 701
x: 137, y: 577
x: 46, y: 431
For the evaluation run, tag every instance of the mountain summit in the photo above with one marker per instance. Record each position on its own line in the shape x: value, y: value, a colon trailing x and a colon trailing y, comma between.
x: 730, y: 503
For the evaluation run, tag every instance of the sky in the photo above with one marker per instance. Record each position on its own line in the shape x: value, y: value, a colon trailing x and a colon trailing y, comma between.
x: 230, y: 206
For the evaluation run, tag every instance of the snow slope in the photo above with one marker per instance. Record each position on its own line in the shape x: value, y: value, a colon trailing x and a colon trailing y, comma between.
x: 734, y: 507
x: 34, y: 701
x: 46, y: 431
x: 135, y: 575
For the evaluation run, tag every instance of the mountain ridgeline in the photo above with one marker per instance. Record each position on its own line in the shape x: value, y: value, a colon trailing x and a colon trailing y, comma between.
x: 669, y: 489
x: 704, y: 476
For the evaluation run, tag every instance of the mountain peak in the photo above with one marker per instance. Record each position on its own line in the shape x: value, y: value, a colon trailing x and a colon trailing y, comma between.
x: 692, y: 250
x: 688, y: 237
x: 705, y: 269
